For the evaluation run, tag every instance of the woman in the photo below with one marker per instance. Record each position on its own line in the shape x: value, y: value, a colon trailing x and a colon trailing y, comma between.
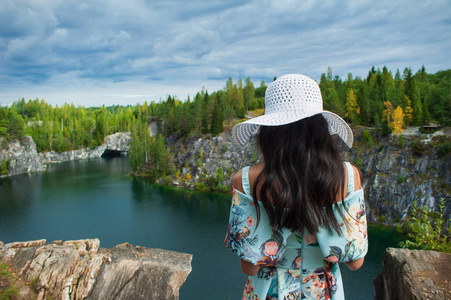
x: 300, y: 212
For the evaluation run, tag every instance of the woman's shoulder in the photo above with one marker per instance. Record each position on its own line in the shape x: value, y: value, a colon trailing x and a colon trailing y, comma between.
x: 357, y: 176
x: 237, y: 181
x: 251, y: 172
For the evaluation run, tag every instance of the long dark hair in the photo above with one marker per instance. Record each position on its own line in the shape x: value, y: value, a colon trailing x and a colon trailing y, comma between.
x: 302, y: 177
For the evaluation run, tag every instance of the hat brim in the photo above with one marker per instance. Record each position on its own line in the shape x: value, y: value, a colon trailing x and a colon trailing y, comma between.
x: 243, y: 131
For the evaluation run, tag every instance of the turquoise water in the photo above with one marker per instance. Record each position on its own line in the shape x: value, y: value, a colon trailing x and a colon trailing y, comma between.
x: 97, y: 199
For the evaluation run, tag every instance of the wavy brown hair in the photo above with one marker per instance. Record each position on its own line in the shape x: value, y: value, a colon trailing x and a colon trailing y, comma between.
x: 302, y: 177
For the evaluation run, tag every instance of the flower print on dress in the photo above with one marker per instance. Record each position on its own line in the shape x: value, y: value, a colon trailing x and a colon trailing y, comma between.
x: 249, y: 289
x: 354, y: 230
x: 250, y: 221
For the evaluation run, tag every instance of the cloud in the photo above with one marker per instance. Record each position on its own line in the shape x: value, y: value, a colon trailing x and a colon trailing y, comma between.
x: 53, y: 47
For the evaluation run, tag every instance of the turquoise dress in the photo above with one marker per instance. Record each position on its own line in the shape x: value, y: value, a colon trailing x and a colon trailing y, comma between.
x: 296, y: 265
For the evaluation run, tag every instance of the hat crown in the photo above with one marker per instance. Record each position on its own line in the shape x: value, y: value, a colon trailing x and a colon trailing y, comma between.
x: 293, y: 92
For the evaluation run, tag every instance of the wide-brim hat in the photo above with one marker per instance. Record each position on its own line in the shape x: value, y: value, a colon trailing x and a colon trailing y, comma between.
x: 288, y: 99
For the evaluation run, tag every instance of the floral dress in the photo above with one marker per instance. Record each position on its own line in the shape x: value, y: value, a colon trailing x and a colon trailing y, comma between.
x: 295, y: 265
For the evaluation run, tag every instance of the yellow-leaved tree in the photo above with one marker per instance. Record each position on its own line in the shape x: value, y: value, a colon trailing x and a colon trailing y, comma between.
x: 397, y: 121
x: 352, y: 107
x: 407, y: 112
x: 388, y: 112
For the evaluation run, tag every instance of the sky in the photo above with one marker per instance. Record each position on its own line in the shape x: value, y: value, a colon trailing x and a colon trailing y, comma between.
x: 116, y: 52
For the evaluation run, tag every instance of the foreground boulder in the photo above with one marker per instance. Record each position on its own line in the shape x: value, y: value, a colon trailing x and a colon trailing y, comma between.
x: 81, y: 270
x: 414, y: 274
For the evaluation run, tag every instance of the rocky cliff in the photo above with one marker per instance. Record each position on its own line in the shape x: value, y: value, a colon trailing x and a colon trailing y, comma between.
x: 80, y: 269
x: 23, y: 157
x: 414, y: 274
x: 398, y: 172
x: 198, y: 159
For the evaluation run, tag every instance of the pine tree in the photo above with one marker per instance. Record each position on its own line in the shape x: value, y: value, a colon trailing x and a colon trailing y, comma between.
x: 217, y: 119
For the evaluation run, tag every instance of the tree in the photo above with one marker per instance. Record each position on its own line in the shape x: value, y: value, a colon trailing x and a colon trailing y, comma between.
x: 397, y: 121
x: 136, y: 150
x: 387, y: 116
x: 217, y: 119
x: 352, y: 108
x: 250, y: 103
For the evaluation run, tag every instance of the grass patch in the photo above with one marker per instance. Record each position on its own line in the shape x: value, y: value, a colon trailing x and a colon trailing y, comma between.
x: 7, y: 288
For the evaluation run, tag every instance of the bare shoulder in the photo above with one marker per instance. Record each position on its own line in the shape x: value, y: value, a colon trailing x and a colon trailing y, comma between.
x: 237, y: 181
x: 357, y: 177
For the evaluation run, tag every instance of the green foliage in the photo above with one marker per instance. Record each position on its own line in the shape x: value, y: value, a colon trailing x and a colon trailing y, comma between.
x: 7, y: 289
x: 401, y: 141
x: 219, y: 175
x: 443, y: 149
x: 367, y: 137
x: 425, y: 230
x: 254, y: 158
x: 358, y: 163
x: 418, y: 147
x: 400, y: 179
x: 5, y: 166
x: 201, y: 186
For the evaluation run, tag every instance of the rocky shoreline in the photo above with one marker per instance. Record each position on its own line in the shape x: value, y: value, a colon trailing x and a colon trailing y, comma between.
x: 80, y: 269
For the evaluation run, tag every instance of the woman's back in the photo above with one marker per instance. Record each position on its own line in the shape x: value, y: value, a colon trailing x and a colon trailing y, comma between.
x: 278, y: 253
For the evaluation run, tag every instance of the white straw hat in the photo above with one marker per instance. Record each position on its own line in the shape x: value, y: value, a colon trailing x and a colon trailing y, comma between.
x: 289, y: 99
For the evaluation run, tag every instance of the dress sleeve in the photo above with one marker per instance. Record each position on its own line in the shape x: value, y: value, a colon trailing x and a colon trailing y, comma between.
x: 352, y: 244
x: 259, y: 245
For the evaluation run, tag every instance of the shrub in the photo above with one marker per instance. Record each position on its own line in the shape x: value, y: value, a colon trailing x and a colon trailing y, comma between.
x: 201, y: 186
x: 219, y: 175
x: 400, y: 179
x: 418, y: 147
x: 5, y: 166
x: 401, y: 141
x: 443, y: 149
x: 425, y: 230
x: 367, y: 137
x: 358, y: 163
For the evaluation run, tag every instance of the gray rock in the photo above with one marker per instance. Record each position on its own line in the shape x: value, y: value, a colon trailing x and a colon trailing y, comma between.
x: 23, y: 157
x: 414, y: 274
x: 79, y: 269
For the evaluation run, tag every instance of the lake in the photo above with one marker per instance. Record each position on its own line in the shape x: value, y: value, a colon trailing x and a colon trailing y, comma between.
x: 98, y: 199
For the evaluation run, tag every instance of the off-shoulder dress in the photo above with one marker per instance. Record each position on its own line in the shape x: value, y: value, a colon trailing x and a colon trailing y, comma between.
x: 296, y: 265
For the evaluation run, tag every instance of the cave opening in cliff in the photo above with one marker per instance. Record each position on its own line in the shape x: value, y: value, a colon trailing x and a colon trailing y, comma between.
x: 113, y: 153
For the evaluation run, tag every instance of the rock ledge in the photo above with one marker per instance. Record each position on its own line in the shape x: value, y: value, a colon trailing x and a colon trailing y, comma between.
x: 80, y: 269
x: 414, y: 274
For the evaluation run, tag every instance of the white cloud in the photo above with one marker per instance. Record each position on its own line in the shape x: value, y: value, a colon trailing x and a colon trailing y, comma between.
x: 82, y: 49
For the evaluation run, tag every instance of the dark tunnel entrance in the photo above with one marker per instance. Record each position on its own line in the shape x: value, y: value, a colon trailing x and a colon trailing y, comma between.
x: 113, y: 153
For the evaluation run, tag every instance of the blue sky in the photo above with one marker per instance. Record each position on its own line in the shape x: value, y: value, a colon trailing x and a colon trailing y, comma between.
x: 126, y: 52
